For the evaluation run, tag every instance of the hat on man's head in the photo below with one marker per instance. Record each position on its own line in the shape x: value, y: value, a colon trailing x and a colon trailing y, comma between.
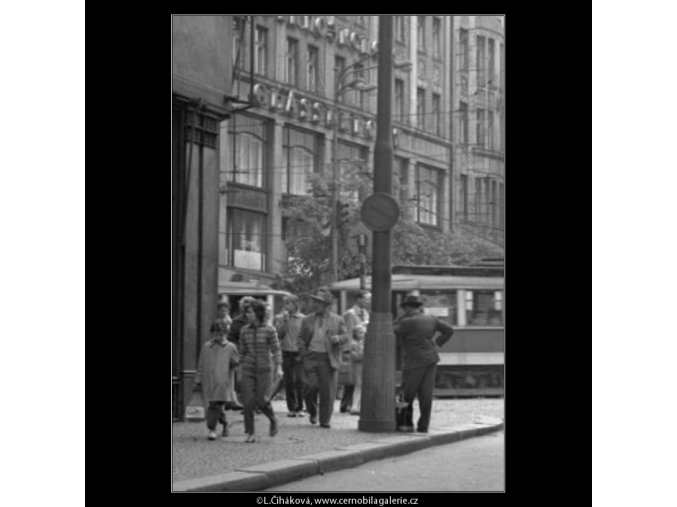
x: 412, y: 300
x: 323, y: 295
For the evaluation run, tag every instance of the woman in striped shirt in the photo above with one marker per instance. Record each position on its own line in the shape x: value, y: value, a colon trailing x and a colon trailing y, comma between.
x: 258, y: 341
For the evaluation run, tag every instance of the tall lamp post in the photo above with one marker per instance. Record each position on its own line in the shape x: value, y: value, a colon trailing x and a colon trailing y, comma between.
x: 380, y: 213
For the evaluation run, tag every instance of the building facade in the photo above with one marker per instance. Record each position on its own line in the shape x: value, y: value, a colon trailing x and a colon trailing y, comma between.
x: 478, y: 184
x: 308, y: 80
x: 200, y: 68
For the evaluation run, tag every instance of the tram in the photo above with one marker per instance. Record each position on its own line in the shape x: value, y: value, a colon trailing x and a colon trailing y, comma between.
x: 471, y: 299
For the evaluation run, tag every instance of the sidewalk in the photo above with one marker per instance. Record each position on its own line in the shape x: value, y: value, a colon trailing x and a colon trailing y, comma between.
x: 301, y: 449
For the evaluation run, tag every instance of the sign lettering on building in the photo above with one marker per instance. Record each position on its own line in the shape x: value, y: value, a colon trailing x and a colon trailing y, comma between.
x: 290, y: 103
x: 325, y: 26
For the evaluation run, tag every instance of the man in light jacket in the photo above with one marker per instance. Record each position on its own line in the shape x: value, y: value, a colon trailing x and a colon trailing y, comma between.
x: 321, y: 339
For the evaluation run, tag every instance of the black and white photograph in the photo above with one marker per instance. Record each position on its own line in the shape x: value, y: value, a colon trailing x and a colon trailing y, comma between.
x: 338, y: 253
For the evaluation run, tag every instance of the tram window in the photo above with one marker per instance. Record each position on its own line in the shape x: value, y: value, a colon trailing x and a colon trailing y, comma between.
x: 442, y: 304
x: 483, y: 308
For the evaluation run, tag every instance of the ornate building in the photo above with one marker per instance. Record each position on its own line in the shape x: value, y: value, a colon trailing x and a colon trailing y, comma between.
x: 479, y: 93
x: 309, y: 81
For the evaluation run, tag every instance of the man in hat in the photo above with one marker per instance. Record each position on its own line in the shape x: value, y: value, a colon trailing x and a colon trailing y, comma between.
x: 321, y: 339
x: 415, y: 333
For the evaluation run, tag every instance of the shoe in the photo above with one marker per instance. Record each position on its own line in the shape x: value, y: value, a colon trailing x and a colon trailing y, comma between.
x: 212, y: 435
x: 313, y: 419
x: 250, y: 439
x: 273, y: 428
x: 292, y: 414
x: 354, y: 412
x: 225, y: 432
x: 421, y: 431
x: 405, y: 429
x: 325, y: 425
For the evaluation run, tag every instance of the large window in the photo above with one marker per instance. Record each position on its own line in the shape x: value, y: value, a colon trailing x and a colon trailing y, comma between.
x: 464, y: 196
x: 420, y: 108
x: 479, y: 183
x: 437, y: 111
x: 420, y: 29
x: 339, y: 67
x: 501, y: 204
x: 437, y: 37
x: 400, y: 29
x: 300, y: 158
x: 402, y: 166
x: 247, y: 137
x: 399, y: 101
x: 463, y: 52
x: 490, y: 130
x: 246, y: 244
x: 494, y: 203
x: 442, y: 304
x: 361, y: 97
x: 484, y: 308
x: 292, y: 59
x: 352, y: 159
x: 261, y: 54
x: 427, y: 188
x: 480, y: 58
x: 463, y: 113
x: 313, y: 68
x: 492, y: 62
x: 480, y: 133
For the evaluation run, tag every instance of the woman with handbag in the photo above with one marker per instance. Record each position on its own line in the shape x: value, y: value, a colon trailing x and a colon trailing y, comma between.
x: 258, y: 341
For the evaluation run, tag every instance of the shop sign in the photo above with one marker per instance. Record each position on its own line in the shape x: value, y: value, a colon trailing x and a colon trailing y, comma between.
x: 296, y: 106
x: 325, y: 26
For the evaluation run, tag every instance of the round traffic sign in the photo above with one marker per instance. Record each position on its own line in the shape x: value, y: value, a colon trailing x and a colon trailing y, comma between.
x: 380, y: 212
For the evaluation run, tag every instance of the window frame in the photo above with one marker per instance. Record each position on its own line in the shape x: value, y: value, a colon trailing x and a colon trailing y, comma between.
x: 313, y: 69
x: 420, y: 33
x: 292, y: 175
x: 261, y: 50
x: 437, y: 114
x: 427, y: 212
x: 437, y: 37
x: 292, y: 62
x: 420, y: 107
x: 231, y: 222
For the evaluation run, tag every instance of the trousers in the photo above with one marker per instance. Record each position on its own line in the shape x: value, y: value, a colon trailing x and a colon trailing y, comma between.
x: 215, y: 414
x: 321, y: 379
x: 419, y: 382
x: 293, y: 381
x: 254, y: 387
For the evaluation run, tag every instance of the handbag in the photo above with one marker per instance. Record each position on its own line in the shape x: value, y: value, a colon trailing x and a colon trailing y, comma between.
x: 345, y: 372
x: 274, y: 388
x: 195, y: 410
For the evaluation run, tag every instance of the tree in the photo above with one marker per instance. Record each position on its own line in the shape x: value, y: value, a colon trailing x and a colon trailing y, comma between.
x: 310, y: 219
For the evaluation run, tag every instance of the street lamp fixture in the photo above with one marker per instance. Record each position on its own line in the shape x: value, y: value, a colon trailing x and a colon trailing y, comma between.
x: 358, y: 83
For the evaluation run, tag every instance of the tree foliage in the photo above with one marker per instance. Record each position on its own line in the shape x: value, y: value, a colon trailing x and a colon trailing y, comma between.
x: 309, y: 246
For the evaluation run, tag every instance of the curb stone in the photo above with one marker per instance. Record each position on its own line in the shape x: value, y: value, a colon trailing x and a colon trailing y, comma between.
x: 264, y: 476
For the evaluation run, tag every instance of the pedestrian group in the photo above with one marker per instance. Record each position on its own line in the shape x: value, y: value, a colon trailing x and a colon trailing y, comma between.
x: 311, y: 357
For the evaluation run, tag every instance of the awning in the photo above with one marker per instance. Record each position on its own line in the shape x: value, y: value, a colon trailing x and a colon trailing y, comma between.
x: 249, y: 289
x: 411, y: 282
